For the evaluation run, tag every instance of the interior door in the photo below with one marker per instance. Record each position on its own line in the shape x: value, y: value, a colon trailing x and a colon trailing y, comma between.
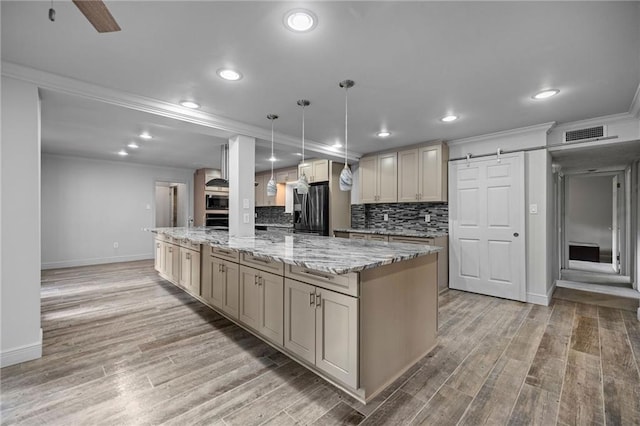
x: 487, y: 226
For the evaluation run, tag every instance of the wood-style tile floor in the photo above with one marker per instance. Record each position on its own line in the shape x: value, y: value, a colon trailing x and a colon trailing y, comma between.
x: 122, y: 346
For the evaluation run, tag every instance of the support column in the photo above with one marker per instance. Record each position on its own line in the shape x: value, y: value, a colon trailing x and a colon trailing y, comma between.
x: 20, y: 223
x: 242, y: 153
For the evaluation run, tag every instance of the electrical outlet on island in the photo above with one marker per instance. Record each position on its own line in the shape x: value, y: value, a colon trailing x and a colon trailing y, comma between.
x: 427, y: 218
x: 386, y: 217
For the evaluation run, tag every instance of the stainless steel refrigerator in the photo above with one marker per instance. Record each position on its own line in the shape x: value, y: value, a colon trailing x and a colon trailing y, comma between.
x: 311, y: 211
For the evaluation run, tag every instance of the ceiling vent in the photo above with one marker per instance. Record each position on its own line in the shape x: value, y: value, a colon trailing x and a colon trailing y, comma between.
x: 581, y: 135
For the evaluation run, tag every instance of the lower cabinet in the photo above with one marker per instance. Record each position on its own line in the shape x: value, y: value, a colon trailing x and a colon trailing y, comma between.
x: 220, y: 285
x: 172, y: 262
x: 159, y: 259
x: 261, y: 303
x: 190, y: 270
x: 321, y: 326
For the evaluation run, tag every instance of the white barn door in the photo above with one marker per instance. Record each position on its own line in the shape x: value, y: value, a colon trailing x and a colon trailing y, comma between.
x: 487, y: 225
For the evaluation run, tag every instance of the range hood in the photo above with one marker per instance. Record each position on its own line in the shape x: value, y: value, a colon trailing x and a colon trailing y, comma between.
x: 222, y: 181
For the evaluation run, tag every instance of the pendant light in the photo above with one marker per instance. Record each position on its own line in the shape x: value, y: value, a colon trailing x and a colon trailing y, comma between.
x: 303, y: 185
x: 272, y: 188
x: 346, y: 177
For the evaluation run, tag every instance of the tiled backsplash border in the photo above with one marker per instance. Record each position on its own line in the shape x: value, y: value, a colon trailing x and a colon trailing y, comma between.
x: 409, y: 216
x: 273, y: 214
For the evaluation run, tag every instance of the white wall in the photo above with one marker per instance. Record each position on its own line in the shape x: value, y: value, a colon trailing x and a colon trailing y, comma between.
x: 21, y: 336
x: 589, y: 210
x: 87, y: 205
x: 183, y: 205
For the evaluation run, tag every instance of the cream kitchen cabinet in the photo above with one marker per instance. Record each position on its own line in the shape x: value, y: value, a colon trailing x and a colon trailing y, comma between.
x: 220, y: 285
x: 422, y: 173
x: 190, y: 270
x: 286, y: 175
x: 379, y: 178
x: 371, y: 237
x: 443, y: 256
x: 321, y: 327
x: 261, y: 197
x: 315, y: 170
x: 261, y: 303
x: 159, y: 259
x: 172, y: 262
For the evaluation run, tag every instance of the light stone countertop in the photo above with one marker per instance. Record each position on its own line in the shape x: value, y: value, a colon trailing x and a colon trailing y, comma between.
x: 324, y: 254
x: 276, y: 225
x: 395, y: 232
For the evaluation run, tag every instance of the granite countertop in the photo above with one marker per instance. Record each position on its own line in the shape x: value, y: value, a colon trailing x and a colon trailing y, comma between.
x: 275, y: 225
x: 396, y: 232
x: 325, y: 254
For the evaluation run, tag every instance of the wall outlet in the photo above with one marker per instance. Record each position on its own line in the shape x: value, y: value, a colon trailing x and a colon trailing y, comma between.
x: 533, y: 208
x: 246, y: 218
x: 386, y: 217
x: 245, y: 203
x: 115, y: 245
x: 427, y: 218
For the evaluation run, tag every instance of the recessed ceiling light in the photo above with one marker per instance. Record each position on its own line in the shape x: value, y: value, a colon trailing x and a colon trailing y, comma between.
x: 337, y: 145
x: 229, y: 74
x: 190, y: 104
x: 449, y: 118
x: 384, y: 134
x: 123, y: 153
x: 145, y: 135
x: 133, y: 145
x: 300, y: 20
x: 544, y: 94
x: 272, y: 158
x: 298, y: 153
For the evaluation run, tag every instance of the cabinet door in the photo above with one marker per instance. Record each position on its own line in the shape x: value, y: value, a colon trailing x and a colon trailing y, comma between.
x: 337, y: 335
x: 231, y: 290
x: 194, y: 282
x: 306, y: 169
x: 185, y: 268
x: 408, y: 162
x: 282, y: 176
x: 271, y: 320
x: 357, y: 236
x: 321, y: 170
x: 159, y: 264
x: 387, y: 177
x: 175, y: 264
x: 249, y: 312
x: 169, y: 250
x: 368, y: 179
x: 430, y: 173
x: 300, y: 319
x: 213, y: 281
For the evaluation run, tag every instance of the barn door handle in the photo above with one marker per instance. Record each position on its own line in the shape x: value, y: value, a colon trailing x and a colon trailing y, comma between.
x: 515, y: 234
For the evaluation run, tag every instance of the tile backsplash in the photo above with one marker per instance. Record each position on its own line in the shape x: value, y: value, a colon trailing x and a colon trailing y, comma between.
x: 401, y: 216
x: 273, y: 214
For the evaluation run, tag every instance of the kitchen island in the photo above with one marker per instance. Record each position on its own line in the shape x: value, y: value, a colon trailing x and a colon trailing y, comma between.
x: 358, y: 313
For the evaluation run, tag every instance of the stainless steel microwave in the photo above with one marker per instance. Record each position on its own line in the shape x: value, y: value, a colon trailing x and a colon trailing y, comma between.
x: 217, y: 200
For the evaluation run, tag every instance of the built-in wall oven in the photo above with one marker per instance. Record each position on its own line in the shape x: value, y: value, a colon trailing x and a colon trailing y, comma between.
x: 216, y: 206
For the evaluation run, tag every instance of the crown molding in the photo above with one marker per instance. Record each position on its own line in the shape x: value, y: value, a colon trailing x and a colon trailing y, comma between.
x: 634, y: 109
x: 220, y: 125
x: 605, y: 119
x: 545, y: 127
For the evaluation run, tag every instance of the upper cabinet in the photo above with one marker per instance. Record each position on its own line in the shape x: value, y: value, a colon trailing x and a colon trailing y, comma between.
x: 315, y: 170
x: 422, y: 173
x: 261, y: 197
x: 287, y: 175
x: 379, y: 178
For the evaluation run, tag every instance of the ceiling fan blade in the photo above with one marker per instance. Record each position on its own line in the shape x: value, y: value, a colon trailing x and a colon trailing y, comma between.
x: 98, y: 14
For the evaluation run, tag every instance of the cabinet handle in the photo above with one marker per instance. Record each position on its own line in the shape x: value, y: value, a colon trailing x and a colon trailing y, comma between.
x: 255, y: 280
x: 224, y: 268
x: 158, y: 245
x: 257, y: 259
x: 170, y: 249
x: 224, y: 251
x: 317, y: 274
x: 219, y: 268
x: 260, y: 281
x: 188, y: 256
x: 318, y: 300
x: 312, y: 299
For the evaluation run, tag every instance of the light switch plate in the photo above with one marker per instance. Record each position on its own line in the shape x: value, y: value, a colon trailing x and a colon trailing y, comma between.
x: 533, y: 208
x: 245, y: 203
x: 246, y: 218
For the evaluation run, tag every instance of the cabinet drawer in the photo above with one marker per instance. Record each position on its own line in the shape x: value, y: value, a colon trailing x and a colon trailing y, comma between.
x: 162, y: 237
x: 357, y: 236
x: 346, y: 284
x: 190, y: 245
x: 411, y: 240
x: 263, y: 264
x: 226, y: 254
x: 376, y: 237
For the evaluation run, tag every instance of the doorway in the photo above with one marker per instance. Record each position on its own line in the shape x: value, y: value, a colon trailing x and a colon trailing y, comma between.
x: 170, y: 202
x: 595, y: 217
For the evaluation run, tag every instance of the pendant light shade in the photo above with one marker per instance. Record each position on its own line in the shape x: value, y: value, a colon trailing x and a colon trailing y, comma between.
x: 303, y: 184
x: 272, y: 188
x: 346, y: 177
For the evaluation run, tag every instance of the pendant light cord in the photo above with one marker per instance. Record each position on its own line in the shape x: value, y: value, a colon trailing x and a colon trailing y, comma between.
x: 303, y: 133
x: 271, y: 159
x: 346, y: 121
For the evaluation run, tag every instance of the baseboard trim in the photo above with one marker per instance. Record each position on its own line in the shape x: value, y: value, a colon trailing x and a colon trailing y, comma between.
x: 21, y: 353
x: 542, y: 299
x: 95, y: 261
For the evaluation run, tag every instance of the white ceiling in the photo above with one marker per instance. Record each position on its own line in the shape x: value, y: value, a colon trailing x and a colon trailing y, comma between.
x: 412, y: 62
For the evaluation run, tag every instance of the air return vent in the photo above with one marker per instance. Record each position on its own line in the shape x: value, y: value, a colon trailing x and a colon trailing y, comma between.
x: 584, y: 134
